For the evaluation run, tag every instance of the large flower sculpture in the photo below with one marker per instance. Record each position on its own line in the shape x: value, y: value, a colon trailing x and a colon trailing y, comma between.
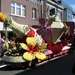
x: 44, y: 28
x: 34, y: 50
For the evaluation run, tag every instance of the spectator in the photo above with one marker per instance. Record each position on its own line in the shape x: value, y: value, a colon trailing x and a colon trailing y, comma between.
x: 0, y: 47
x: 5, y: 46
x: 3, y: 38
x: 1, y: 44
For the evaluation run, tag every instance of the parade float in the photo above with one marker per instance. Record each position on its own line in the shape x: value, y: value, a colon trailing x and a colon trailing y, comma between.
x: 36, y: 43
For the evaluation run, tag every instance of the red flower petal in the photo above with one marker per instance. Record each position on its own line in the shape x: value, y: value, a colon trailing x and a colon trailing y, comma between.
x: 40, y: 31
x: 49, y: 23
x: 42, y: 21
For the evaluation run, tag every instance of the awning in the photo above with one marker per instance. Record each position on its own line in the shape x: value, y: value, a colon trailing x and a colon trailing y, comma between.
x: 1, y: 27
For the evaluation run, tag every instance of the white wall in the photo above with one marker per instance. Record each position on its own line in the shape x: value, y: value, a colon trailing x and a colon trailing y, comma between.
x: 1, y: 27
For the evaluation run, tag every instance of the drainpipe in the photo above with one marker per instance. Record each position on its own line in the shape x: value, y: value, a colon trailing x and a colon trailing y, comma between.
x: 0, y: 5
x: 44, y: 8
x: 39, y: 9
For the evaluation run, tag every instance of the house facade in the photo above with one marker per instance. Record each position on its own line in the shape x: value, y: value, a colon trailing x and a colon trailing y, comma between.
x: 54, y: 9
x: 22, y: 11
x: 57, y: 8
x: 29, y: 11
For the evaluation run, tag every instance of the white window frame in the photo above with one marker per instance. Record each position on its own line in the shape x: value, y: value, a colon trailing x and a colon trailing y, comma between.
x: 21, y: 7
x: 34, y: 13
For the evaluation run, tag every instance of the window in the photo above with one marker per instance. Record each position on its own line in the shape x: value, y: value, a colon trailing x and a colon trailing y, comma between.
x: 18, y: 9
x: 12, y: 8
x: 69, y: 15
x: 33, y: 13
x: 52, y: 11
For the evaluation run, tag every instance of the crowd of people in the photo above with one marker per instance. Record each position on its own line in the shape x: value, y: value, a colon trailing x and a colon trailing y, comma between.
x: 3, y: 41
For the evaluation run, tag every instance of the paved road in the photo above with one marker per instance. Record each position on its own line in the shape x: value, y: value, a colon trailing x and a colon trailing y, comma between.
x: 60, y: 66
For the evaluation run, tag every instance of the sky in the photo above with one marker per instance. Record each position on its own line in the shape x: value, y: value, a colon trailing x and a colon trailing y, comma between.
x: 71, y: 3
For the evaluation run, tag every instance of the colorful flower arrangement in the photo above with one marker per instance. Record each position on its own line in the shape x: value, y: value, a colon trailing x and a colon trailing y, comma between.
x: 32, y: 49
x: 28, y: 51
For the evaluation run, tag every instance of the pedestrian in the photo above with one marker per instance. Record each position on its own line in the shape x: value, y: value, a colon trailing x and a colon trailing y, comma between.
x: 1, y: 44
x: 5, y: 46
x: 0, y: 47
x: 2, y: 39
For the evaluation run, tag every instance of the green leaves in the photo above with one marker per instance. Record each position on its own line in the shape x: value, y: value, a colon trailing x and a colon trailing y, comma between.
x: 7, y: 22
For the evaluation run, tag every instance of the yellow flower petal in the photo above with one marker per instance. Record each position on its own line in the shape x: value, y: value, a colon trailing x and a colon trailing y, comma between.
x: 28, y: 56
x: 41, y: 56
x: 24, y: 46
x: 31, y: 41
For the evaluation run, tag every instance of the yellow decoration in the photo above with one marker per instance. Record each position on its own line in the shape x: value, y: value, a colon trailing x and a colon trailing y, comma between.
x: 24, y: 46
x: 2, y: 17
x: 28, y: 56
x: 40, y: 56
x: 31, y: 41
x: 7, y: 45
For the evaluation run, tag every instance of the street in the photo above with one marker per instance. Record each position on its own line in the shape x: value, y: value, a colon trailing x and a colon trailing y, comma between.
x: 58, y: 66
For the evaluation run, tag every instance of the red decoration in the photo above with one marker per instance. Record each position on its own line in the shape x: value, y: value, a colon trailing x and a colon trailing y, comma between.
x: 55, y: 48
x: 31, y: 33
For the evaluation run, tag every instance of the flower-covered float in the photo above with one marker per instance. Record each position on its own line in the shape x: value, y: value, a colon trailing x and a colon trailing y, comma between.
x: 35, y: 43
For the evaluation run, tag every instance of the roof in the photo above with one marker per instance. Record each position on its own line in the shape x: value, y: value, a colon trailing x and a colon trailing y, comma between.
x: 55, y: 4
